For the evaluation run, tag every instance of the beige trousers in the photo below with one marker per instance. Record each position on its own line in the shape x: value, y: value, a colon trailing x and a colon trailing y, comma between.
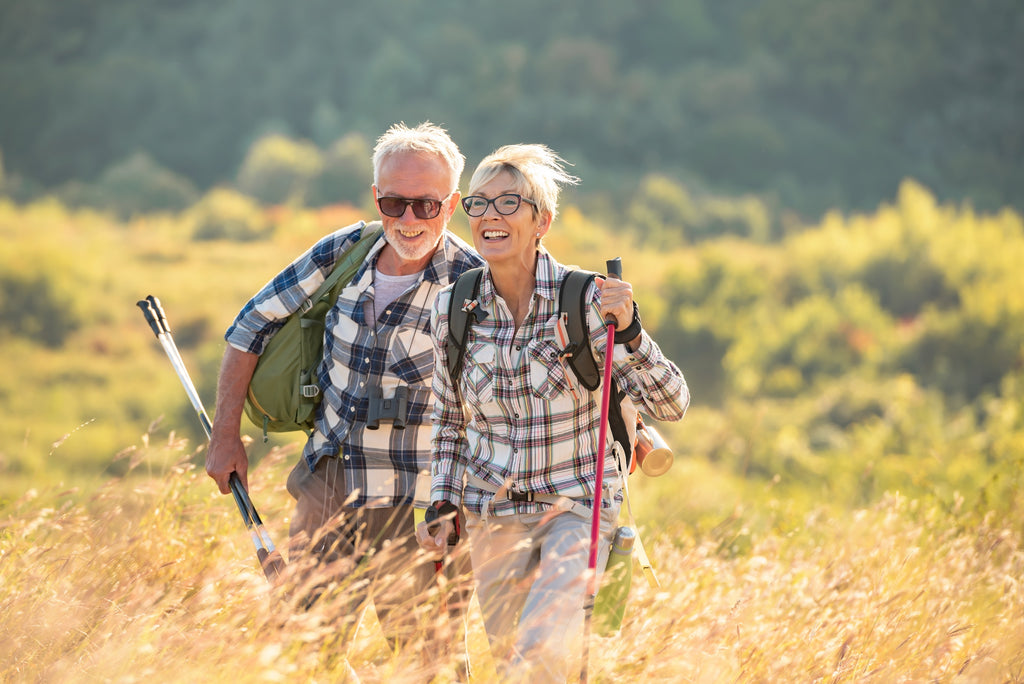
x: 364, y: 554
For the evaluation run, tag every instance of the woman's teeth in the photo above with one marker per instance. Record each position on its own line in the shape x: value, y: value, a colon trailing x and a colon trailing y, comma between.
x: 494, y: 234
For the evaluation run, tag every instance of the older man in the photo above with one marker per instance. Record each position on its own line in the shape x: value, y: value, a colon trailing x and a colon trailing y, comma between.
x: 354, y: 484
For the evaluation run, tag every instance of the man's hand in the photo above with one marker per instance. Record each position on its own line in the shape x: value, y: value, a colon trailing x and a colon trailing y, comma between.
x: 226, y: 453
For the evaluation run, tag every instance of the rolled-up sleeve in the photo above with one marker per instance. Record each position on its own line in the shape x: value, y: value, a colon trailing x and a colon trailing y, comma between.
x: 653, y: 382
x: 267, y: 311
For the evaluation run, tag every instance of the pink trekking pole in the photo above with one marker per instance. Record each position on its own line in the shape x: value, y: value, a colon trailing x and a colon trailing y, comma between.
x: 614, y: 267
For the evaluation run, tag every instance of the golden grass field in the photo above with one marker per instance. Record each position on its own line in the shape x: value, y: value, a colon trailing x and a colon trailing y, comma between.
x: 151, y: 579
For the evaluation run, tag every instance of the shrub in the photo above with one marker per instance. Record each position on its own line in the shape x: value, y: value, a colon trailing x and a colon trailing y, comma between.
x: 225, y: 214
x: 139, y: 185
x: 37, y: 306
x: 346, y: 174
x: 277, y: 169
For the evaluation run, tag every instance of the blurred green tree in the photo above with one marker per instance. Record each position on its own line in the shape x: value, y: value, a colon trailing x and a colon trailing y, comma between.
x: 277, y: 169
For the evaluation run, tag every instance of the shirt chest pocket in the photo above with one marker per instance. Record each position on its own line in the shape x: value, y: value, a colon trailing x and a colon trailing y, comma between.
x: 411, y: 356
x: 548, y: 379
x: 478, y: 374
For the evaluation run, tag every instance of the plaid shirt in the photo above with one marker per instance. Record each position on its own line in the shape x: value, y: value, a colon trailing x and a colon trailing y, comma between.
x: 527, y: 419
x: 381, y: 464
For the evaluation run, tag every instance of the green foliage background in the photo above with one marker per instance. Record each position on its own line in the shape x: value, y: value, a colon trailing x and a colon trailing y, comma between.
x: 813, y: 105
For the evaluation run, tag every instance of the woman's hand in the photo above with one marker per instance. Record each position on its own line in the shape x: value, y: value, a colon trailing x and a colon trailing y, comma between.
x: 435, y: 544
x: 616, y: 301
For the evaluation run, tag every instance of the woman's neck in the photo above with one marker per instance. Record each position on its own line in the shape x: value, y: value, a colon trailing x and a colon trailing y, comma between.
x: 514, y: 282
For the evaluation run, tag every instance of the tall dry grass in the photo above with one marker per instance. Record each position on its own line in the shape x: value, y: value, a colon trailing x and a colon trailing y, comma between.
x: 150, y: 579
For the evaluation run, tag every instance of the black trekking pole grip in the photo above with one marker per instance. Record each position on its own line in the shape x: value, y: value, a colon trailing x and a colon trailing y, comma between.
x: 614, y: 267
x: 151, y: 318
x: 158, y: 310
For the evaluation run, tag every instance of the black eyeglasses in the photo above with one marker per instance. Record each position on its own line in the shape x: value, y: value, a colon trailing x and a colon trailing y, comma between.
x: 421, y: 208
x: 506, y: 204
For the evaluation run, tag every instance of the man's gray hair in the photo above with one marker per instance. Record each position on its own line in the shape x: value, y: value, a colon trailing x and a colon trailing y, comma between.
x: 428, y: 138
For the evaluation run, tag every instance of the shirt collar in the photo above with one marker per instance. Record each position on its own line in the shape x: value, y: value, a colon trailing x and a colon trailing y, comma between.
x: 548, y: 275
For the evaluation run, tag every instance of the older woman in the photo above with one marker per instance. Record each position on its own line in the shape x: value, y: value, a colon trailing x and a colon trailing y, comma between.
x: 515, y: 435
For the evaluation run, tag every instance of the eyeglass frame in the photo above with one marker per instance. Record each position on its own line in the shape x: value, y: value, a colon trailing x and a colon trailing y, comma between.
x: 413, y: 203
x: 493, y: 202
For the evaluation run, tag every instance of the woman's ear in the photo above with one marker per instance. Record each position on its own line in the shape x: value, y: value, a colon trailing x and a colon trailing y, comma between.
x: 543, y: 224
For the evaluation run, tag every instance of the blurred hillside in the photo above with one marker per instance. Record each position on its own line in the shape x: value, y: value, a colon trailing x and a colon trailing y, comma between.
x: 807, y: 105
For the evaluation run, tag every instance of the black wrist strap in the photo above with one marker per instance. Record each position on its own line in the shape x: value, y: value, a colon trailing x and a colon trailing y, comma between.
x: 635, y: 328
x: 442, y: 509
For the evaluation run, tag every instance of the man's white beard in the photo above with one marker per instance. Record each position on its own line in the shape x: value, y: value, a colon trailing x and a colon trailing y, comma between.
x: 411, y: 252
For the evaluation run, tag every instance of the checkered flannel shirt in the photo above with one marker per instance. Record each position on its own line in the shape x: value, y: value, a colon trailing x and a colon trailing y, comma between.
x: 527, y: 419
x: 381, y: 464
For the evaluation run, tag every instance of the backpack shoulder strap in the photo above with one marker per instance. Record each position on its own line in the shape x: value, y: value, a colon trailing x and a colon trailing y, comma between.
x: 466, y: 288
x: 572, y: 305
x: 347, y: 265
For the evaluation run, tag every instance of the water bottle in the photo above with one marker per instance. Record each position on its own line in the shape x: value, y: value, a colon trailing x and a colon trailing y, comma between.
x: 610, y: 604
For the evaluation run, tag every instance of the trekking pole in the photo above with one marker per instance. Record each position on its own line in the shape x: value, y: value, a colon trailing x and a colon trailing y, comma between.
x: 269, y: 558
x: 614, y: 267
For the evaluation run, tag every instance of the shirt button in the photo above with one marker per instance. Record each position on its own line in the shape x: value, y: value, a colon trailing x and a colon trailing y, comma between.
x: 351, y: 408
x: 518, y: 347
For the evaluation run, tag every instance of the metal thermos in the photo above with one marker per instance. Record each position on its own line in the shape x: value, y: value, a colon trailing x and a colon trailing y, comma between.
x: 652, y: 452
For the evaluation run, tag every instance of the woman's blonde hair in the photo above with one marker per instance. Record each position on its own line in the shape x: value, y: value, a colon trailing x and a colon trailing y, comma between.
x: 537, y: 173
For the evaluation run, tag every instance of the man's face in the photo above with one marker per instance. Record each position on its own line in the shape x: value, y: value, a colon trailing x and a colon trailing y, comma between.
x: 415, y: 176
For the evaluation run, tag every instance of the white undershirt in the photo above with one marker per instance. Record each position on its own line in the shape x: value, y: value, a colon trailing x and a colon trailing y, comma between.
x: 386, y: 289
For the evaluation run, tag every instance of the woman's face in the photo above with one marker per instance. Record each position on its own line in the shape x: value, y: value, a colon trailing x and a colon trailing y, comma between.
x: 506, y: 237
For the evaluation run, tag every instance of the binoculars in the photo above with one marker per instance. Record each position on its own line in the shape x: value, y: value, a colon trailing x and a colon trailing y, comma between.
x: 652, y: 453
x: 378, y: 408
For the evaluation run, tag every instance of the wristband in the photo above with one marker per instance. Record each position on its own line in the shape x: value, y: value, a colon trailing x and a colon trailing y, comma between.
x: 442, y: 509
x: 635, y: 328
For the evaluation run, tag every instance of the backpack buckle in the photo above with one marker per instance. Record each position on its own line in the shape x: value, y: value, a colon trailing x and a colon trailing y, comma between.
x: 310, y: 391
x: 516, y: 495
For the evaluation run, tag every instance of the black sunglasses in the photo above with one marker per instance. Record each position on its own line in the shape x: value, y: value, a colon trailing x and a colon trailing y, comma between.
x: 421, y: 208
x: 506, y: 204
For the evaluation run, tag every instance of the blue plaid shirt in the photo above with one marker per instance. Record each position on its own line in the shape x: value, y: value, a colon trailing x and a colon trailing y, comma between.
x: 381, y: 464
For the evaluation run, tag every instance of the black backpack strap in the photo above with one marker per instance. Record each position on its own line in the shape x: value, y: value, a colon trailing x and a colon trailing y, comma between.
x: 466, y: 289
x: 572, y: 303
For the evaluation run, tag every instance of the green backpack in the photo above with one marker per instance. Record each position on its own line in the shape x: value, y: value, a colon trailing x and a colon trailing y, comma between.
x: 284, y: 393
x: 572, y: 305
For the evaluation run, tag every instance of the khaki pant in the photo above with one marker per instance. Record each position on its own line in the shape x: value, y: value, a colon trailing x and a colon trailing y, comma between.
x: 531, y: 574
x: 363, y: 554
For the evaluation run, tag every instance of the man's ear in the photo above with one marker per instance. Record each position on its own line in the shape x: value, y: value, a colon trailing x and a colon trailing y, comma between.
x: 454, y: 205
